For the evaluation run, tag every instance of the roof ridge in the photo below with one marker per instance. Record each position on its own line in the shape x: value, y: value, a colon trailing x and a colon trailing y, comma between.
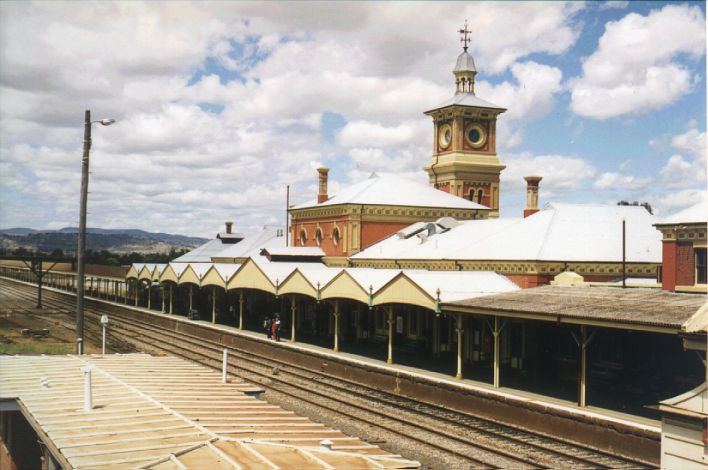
x: 546, y: 235
x: 371, y: 181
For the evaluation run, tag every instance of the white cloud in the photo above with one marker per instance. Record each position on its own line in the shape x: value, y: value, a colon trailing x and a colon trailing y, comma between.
x: 675, y: 201
x: 619, y: 182
x: 561, y: 174
x: 611, y: 5
x: 684, y: 172
x: 636, y: 66
x: 192, y: 148
x: 531, y: 97
x: 364, y: 133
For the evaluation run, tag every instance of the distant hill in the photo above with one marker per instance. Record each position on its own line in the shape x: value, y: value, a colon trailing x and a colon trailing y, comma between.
x: 97, y: 239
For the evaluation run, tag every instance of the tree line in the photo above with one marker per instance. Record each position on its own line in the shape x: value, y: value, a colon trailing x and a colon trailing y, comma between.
x: 103, y: 257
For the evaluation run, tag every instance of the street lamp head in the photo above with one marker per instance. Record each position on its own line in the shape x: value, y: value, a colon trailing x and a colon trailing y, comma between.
x: 106, y: 122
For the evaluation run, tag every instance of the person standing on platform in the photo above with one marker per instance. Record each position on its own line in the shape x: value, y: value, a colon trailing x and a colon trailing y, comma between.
x: 268, y: 326
x: 276, y: 327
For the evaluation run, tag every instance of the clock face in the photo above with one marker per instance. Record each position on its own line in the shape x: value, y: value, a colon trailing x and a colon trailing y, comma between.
x: 475, y: 135
x: 445, y: 135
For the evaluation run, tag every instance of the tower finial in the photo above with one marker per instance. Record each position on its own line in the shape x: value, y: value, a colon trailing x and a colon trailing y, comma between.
x: 465, y: 40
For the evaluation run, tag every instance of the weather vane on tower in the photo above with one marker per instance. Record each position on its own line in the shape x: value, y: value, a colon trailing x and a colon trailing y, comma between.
x: 465, y: 37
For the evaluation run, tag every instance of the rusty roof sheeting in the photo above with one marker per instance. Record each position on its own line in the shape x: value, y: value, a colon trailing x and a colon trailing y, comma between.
x: 652, y: 307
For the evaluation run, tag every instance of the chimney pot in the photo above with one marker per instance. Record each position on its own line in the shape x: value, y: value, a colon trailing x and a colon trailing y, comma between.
x: 229, y: 224
x: 323, y: 176
x: 531, y: 194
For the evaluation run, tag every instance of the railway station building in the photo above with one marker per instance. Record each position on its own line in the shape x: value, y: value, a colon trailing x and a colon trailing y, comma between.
x: 563, y: 300
x: 559, y: 302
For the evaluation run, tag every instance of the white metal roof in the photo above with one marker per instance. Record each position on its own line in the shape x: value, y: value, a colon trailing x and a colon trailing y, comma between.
x: 693, y: 215
x: 278, y: 271
x: 226, y: 270
x: 559, y: 232
x: 372, y: 278
x: 200, y: 268
x: 295, y: 251
x: 393, y: 190
x: 252, y: 244
x: 465, y: 63
x: 459, y: 285
x: 178, y: 268
x: 467, y: 99
x: 203, y: 253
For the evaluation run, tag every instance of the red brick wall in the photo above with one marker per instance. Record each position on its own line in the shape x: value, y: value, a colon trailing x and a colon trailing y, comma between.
x: 327, y: 227
x: 685, y: 264
x: 668, y: 265
x: 527, y: 281
x: 678, y: 265
x: 372, y: 232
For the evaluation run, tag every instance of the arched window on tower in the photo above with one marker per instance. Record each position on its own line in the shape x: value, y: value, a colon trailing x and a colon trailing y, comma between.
x: 303, y: 237
x: 480, y: 193
x: 471, y: 197
x: 318, y: 236
x: 335, y: 236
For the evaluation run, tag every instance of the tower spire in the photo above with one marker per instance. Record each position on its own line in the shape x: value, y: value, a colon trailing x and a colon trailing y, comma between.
x: 465, y: 40
x: 465, y: 70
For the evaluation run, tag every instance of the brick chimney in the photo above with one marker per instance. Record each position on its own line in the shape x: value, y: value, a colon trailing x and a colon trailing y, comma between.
x: 322, y: 195
x: 229, y: 224
x: 531, y: 194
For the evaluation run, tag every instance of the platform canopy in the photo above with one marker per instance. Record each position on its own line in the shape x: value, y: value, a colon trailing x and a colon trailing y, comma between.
x: 613, y: 307
x: 316, y: 280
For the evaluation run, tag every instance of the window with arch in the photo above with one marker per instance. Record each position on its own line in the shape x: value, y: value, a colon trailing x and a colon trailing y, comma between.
x: 335, y: 236
x: 303, y: 237
x: 480, y: 193
x: 318, y: 236
x: 471, y: 196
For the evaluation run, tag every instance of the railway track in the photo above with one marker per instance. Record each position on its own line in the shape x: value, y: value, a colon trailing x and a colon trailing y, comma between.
x: 470, y: 441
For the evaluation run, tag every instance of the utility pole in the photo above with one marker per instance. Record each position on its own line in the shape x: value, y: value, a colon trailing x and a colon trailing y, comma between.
x: 80, y: 254
x: 624, y: 254
x: 287, y: 214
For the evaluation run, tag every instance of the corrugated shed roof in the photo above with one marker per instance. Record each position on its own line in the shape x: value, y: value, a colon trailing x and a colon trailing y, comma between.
x: 634, y: 306
x: 150, y: 411
x: 693, y: 215
x: 392, y: 190
x: 559, y: 232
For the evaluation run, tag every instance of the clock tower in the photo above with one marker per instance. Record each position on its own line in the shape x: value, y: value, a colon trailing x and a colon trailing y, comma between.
x: 465, y: 161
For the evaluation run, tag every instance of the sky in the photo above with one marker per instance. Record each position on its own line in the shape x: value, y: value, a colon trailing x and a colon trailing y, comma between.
x: 219, y: 106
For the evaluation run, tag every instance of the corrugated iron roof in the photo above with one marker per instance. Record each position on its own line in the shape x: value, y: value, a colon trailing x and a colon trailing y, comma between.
x: 609, y: 304
x: 559, y: 232
x: 164, y: 412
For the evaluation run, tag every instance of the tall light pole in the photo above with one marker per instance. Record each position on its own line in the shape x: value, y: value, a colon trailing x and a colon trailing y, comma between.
x: 81, y: 252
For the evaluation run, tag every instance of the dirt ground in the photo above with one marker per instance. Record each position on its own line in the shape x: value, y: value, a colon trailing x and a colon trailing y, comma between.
x: 17, y: 314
